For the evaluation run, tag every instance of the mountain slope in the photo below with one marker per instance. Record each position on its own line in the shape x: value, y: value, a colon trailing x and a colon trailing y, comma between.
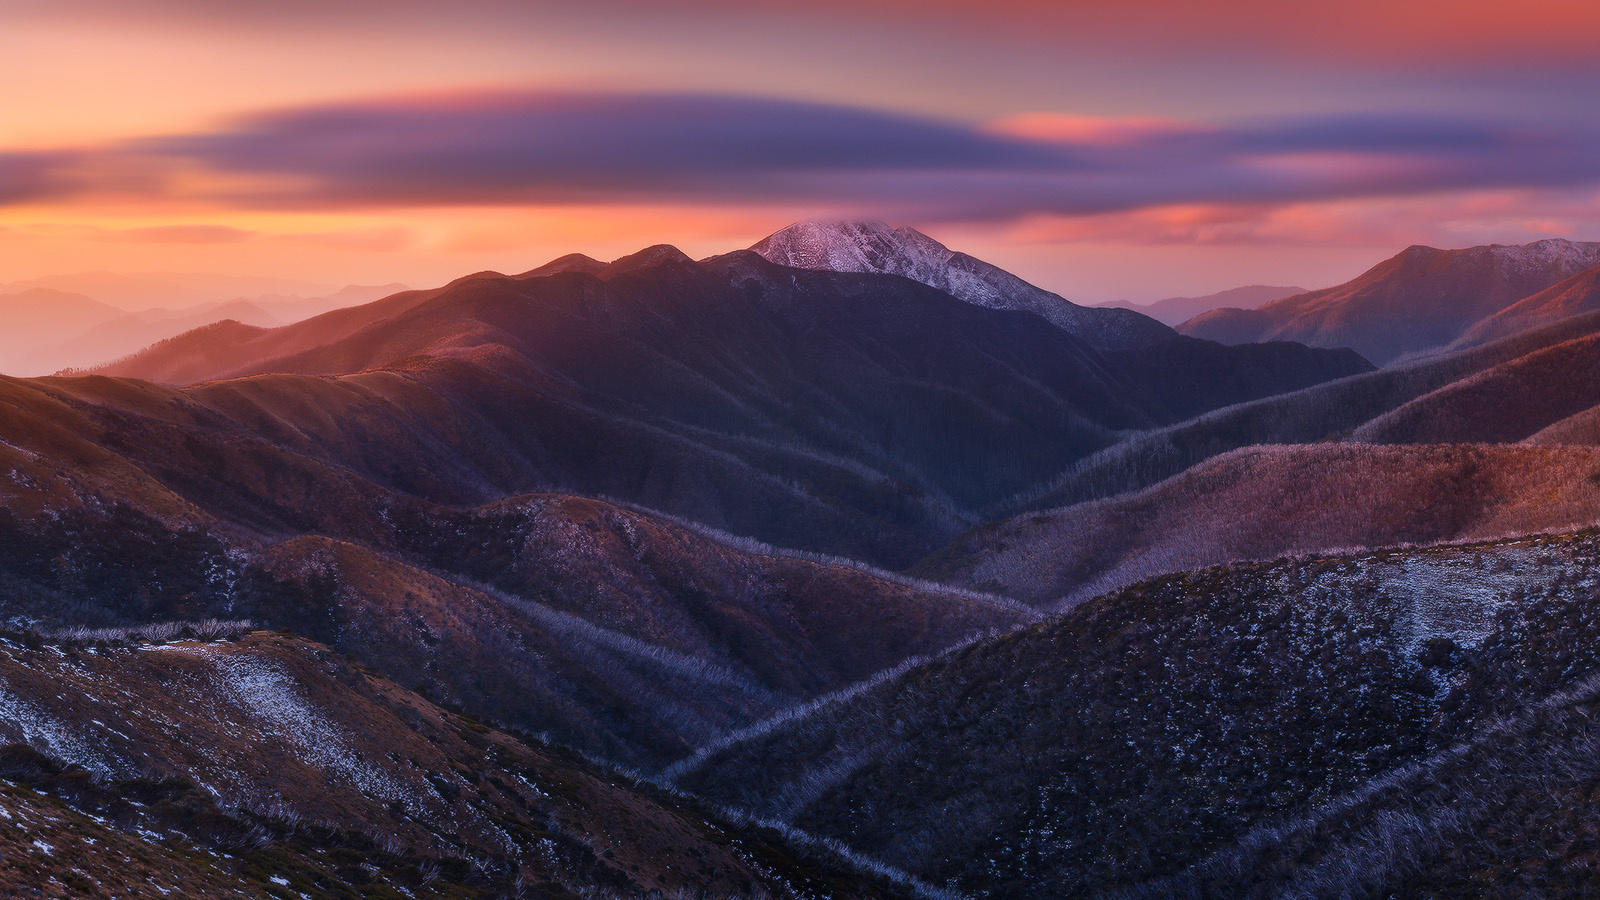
x: 1571, y: 297
x: 1504, y: 404
x: 876, y: 247
x: 268, y: 760
x: 1169, y: 719
x: 864, y: 415
x: 1319, y: 413
x: 1177, y: 310
x: 618, y: 631
x: 1265, y: 502
x: 1419, y: 300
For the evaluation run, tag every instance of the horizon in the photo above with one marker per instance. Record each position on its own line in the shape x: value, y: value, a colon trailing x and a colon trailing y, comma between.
x: 272, y: 284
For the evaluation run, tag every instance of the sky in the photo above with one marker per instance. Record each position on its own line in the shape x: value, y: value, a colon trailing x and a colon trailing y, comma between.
x: 1134, y: 150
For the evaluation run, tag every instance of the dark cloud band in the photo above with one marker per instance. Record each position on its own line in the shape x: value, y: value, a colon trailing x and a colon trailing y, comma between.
x: 531, y: 147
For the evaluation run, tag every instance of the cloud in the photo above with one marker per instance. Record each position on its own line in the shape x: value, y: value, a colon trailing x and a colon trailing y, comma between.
x: 1473, y: 31
x: 32, y: 176
x: 544, y: 148
x: 548, y: 147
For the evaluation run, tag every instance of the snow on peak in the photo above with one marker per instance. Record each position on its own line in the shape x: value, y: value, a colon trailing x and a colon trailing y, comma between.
x: 1557, y: 254
x: 862, y: 246
x: 874, y: 247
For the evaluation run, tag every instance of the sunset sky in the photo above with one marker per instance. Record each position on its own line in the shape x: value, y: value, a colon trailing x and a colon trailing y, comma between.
x: 1130, y: 150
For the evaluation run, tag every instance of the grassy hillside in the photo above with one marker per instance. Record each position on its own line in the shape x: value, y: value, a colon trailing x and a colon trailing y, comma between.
x: 1139, y: 734
x: 1265, y: 502
x: 268, y: 766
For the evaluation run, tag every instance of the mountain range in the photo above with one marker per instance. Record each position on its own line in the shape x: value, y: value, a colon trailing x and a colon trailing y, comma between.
x: 1419, y: 300
x: 847, y: 565
x: 48, y: 329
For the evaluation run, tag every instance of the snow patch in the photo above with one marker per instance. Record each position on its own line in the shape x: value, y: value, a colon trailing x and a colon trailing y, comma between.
x: 272, y: 696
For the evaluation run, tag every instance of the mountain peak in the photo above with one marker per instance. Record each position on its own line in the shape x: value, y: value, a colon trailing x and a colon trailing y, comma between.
x: 649, y: 258
x: 872, y: 246
x: 860, y: 245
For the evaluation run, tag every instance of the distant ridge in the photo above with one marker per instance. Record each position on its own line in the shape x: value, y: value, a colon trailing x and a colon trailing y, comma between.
x: 1177, y: 310
x: 1419, y: 300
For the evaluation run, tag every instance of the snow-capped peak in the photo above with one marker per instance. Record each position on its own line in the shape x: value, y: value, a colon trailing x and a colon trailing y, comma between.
x: 860, y: 246
x: 875, y: 247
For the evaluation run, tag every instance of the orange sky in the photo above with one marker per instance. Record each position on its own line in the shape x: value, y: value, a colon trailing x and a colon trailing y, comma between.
x: 1104, y: 150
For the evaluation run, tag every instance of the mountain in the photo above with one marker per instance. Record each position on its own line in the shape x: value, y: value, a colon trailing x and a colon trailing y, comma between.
x: 1264, y: 502
x: 294, y: 307
x: 1510, y: 402
x: 864, y: 415
x: 260, y: 765
x: 1574, y: 296
x: 621, y: 632
x: 170, y: 290
x: 1177, y: 310
x: 1325, y: 412
x: 38, y: 318
x: 50, y: 330
x: 876, y: 247
x: 603, y: 580
x: 1366, y: 724
x: 131, y: 332
x: 1419, y: 300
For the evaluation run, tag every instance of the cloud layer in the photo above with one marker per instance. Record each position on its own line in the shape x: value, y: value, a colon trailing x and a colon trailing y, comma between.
x: 539, y: 147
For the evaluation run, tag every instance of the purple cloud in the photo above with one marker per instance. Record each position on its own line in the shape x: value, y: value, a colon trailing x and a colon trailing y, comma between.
x: 511, y: 147
x: 32, y: 176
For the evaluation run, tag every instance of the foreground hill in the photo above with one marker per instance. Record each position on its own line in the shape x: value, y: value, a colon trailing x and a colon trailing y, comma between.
x: 1421, y: 299
x: 267, y: 766
x: 1184, y: 720
x: 866, y: 415
x: 1266, y: 502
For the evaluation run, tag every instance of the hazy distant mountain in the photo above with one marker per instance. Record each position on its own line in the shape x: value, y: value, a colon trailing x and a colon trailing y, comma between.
x: 1177, y: 310
x: 876, y: 247
x: 170, y: 290
x: 1421, y: 299
x: 36, y: 319
x: 48, y: 331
